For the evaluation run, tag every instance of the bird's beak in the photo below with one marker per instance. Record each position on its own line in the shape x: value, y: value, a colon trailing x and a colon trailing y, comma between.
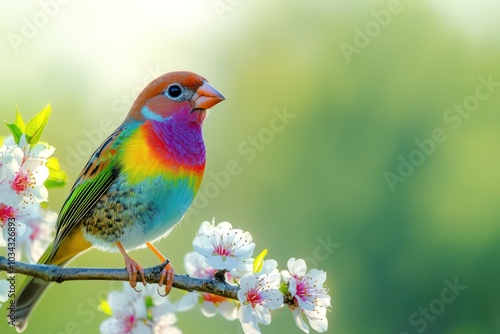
x: 206, y: 97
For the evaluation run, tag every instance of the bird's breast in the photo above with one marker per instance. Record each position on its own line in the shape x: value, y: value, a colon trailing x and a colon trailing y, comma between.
x: 161, y: 169
x: 172, y: 151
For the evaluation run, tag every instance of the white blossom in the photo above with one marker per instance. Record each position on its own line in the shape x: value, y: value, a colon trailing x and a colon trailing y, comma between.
x: 259, y: 293
x: 223, y: 246
x: 40, y: 228
x: 11, y: 223
x: 139, y: 312
x: 211, y: 304
x: 309, y: 296
x: 23, y: 179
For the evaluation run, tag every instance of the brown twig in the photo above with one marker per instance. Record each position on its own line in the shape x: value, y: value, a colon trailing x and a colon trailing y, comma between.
x: 51, y: 273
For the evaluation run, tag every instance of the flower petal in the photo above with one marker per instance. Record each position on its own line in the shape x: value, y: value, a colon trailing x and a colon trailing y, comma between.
x: 228, y: 310
x: 42, y: 150
x: 262, y: 314
x: 208, y: 309
x: 299, y: 321
x: 251, y: 328
x: 297, y: 267
x: 319, y: 325
x: 292, y: 287
x: 188, y: 301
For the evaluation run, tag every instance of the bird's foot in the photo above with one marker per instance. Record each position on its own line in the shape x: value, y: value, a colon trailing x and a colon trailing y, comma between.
x: 167, y: 278
x: 133, y: 268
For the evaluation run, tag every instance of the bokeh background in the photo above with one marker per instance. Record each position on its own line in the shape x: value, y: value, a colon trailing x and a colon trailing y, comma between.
x: 317, y: 188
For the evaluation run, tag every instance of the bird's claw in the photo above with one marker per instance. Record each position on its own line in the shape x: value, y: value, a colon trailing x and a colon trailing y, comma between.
x: 133, y: 268
x: 167, y: 277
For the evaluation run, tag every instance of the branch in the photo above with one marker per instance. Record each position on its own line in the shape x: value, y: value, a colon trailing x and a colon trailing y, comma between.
x: 51, y: 273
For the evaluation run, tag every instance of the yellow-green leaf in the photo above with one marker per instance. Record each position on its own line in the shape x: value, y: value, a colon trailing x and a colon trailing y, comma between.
x: 57, y: 177
x: 148, y: 300
x: 259, y: 261
x: 105, y: 308
x: 19, y: 122
x: 35, y: 126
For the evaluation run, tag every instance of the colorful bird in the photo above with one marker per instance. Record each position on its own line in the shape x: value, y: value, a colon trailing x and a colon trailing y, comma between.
x: 137, y: 185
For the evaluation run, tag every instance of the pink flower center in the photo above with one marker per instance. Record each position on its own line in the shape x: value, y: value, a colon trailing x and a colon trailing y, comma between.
x: 22, y: 181
x: 254, y: 297
x: 222, y: 251
x: 302, y: 289
x: 129, y: 322
x: 6, y: 212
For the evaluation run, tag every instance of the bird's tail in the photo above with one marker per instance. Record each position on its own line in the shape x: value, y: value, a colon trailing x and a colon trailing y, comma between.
x: 33, y: 288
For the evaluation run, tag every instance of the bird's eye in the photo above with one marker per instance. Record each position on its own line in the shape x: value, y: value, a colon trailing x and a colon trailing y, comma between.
x: 174, y: 91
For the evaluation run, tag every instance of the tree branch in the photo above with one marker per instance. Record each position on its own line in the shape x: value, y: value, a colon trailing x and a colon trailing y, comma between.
x: 51, y: 273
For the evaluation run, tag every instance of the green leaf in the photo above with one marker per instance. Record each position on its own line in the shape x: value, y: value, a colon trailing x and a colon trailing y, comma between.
x: 19, y: 122
x: 284, y: 289
x: 57, y: 177
x: 259, y: 261
x: 148, y: 300
x: 35, y: 126
x: 16, y: 132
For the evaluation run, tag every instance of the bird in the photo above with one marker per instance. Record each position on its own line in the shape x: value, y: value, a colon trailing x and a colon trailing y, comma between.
x: 137, y: 185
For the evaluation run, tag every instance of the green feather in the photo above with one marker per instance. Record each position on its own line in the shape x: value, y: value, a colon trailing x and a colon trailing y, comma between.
x: 98, y: 175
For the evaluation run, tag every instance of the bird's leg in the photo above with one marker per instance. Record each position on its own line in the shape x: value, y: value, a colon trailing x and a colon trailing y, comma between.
x: 167, y: 275
x: 132, y: 268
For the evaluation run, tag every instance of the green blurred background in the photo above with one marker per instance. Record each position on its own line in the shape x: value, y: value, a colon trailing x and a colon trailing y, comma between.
x: 316, y: 188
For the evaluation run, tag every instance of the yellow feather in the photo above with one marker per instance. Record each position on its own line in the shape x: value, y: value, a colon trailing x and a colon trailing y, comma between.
x: 140, y: 162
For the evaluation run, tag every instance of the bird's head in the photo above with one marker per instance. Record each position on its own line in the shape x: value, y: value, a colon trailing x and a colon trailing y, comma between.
x: 183, y: 96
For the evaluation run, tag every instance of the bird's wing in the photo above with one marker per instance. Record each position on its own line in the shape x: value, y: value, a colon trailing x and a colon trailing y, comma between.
x: 93, y: 182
